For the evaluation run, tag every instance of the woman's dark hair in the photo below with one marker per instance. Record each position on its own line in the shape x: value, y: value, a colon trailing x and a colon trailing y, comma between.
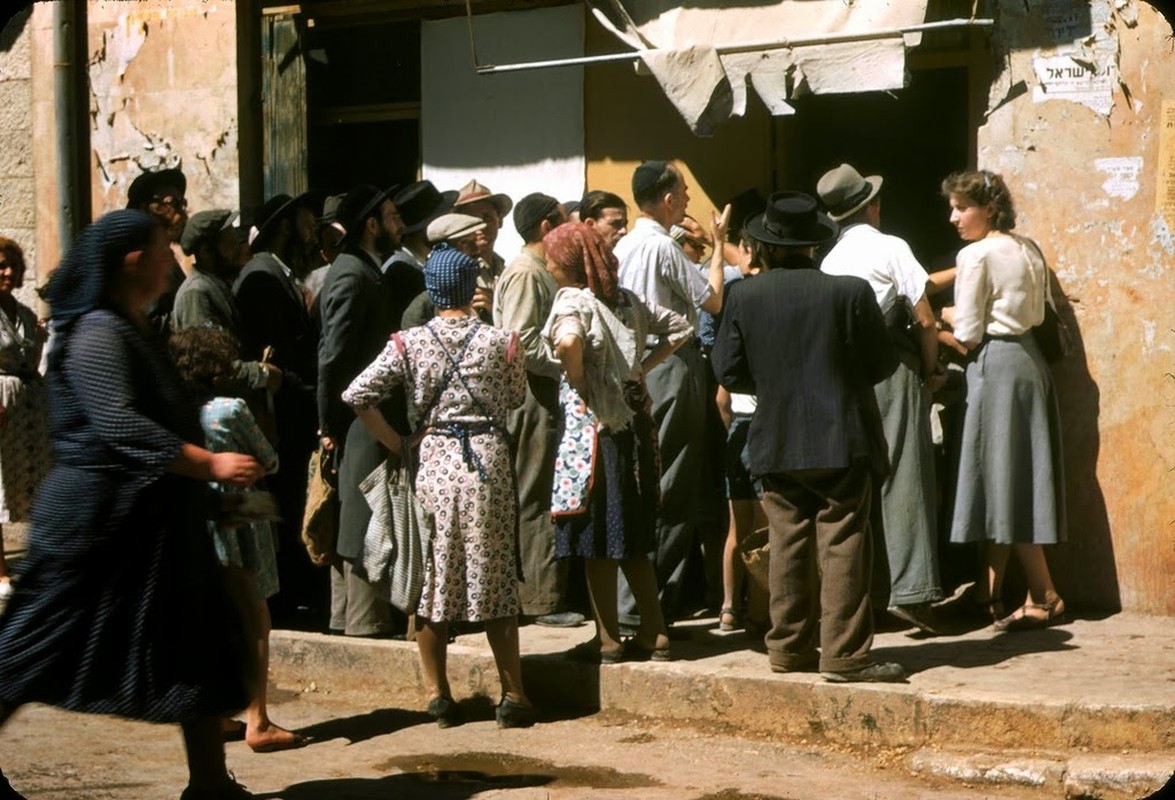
x: 204, y: 357
x: 14, y: 257
x: 985, y: 189
x: 758, y: 257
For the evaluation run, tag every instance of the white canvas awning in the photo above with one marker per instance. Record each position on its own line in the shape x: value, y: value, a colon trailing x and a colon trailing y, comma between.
x: 705, y: 57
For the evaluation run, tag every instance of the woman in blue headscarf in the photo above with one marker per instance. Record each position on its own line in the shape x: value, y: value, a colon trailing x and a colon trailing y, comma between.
x: 120, y: 606
x: 463, y: 376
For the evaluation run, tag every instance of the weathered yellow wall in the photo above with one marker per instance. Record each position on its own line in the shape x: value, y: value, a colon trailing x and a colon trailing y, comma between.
x: 628, y: 120
x: 164, y: 82
x: 1115, y: 259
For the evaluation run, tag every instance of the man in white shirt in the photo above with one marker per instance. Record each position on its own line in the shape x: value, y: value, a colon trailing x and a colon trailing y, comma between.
x: 904, y: 515
x: 655, y: 267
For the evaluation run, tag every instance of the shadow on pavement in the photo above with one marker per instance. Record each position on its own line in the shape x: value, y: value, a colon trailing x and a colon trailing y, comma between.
x: 361, y: 727
x: 926, y: 654
x: 458, y: 776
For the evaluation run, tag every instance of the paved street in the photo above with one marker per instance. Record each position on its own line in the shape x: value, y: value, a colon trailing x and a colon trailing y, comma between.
x: 396, y: 753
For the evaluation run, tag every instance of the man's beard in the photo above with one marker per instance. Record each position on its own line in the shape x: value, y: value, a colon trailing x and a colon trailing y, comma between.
x: 385, y: 243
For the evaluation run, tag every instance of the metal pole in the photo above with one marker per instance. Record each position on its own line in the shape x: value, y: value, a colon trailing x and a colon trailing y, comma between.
x: 778, y: 44
x: 69, y: 22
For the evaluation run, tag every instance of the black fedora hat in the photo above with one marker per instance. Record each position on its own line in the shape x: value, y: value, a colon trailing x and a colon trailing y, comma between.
x: 144, y: 187
x: 791, y: 219
x: 420, y: 203
x: 279, y: 207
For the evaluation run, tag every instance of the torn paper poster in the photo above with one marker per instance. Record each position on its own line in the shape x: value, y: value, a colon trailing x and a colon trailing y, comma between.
x: 1122, y: 175
x: 1061, y: 77
x: 1165, y: 173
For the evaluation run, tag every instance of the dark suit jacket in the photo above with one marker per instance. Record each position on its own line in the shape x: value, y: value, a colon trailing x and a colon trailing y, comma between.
x: 356, y: 323
x: 402, y: 282
x: 273, y: 313
x: 810, y: 346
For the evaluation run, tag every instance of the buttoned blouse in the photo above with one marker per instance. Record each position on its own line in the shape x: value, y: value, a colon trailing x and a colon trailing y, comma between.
x: 1000, y: 288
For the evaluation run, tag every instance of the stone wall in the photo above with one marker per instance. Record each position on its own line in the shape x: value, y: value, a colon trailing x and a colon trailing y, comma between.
x: 17, y: 210
x: 1074, y: 126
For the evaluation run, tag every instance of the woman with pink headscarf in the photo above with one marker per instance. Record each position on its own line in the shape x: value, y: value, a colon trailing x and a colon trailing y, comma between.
x: 607, y: 472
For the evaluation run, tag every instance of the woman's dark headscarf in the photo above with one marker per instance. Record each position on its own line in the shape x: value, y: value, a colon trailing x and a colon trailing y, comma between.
x: 83, y: 281
x: 86, y: 275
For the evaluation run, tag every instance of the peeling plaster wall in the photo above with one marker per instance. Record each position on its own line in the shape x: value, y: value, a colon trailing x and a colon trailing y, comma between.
x: 163, y: 94
x: 17, y: 206
x: 1080, y: 151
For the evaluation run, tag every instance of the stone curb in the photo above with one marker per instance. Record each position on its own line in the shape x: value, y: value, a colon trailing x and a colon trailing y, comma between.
x: 1093, y: 776
x: 722, y: 693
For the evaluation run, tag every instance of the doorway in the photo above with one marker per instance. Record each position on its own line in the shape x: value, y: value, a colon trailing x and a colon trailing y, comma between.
x: 913, y: 138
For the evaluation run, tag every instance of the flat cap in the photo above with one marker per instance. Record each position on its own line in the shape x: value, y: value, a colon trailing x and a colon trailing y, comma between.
x: 449, y: 227
x: 203, y: 224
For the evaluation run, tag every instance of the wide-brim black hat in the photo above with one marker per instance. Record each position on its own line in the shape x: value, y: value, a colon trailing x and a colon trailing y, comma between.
x: 358, y: 204
x: 279, y: 207
x: 791, y: 219
x: 147, y: 185
x: 420, y: 203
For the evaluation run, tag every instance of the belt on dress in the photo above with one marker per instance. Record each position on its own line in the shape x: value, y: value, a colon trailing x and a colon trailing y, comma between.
x: 464, y: 432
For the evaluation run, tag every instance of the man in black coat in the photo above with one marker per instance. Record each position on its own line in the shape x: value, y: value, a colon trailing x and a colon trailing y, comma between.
x: 811, y: 346
x: 275, y: 322
x: 356, y: 321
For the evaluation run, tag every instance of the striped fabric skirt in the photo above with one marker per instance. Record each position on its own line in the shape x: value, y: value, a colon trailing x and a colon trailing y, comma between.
x: 1011, y: 473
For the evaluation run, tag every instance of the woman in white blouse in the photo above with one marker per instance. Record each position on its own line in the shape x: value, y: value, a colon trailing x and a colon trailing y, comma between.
x: 1010, y: 489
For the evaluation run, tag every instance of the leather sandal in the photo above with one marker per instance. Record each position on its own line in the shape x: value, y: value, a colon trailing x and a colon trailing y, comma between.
x: 1022, y: 619
x: 727, y: 619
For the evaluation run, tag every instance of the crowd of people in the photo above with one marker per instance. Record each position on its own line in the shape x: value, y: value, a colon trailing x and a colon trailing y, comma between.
x: 569, y: 414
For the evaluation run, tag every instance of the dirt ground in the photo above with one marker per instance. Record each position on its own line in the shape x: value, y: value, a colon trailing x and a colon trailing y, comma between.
x: 362, y: 753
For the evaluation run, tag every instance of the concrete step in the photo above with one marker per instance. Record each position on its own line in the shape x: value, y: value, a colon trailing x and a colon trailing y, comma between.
x: 1091, y: 686
x: 1083, y: 776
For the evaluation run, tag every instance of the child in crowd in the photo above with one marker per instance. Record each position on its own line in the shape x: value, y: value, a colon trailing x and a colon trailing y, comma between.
x: 743, y: 493
x: 242, y: 532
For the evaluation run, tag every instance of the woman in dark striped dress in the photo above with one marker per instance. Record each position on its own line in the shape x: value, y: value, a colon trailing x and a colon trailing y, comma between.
x: 120, y: 605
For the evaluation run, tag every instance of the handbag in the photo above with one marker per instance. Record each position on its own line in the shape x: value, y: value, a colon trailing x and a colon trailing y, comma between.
x: 320, y: 522
x: 1052, y: 334
x: 397, y: 535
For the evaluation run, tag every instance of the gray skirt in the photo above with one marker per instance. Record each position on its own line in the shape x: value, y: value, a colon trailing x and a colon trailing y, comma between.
x: 1011, y: 474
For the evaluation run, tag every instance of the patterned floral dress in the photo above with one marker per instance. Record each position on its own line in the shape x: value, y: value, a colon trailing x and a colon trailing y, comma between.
x: 229, y: 427
x: 463, y: 376
x: 24, y: 438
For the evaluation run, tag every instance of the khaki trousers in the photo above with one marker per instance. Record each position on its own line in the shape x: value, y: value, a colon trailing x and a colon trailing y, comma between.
x: 819, y: 520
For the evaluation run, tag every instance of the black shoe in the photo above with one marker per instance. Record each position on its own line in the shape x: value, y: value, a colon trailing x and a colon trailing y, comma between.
x: 561, y: 619
x: 881, y: 672
x: 514, y: 715
x: 920, y: 615
x: 228, y: 791
x: 444, y: 711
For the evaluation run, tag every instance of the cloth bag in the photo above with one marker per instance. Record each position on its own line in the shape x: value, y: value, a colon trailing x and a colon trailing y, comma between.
x: 397, y: 535
x: 320, y: 522
x: 1052, y: 334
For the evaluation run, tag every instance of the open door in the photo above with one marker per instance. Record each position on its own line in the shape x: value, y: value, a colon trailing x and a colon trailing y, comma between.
x: 283, y: 106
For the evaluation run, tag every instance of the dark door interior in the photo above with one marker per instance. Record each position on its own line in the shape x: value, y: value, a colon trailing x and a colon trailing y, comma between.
x: 913, y: 138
